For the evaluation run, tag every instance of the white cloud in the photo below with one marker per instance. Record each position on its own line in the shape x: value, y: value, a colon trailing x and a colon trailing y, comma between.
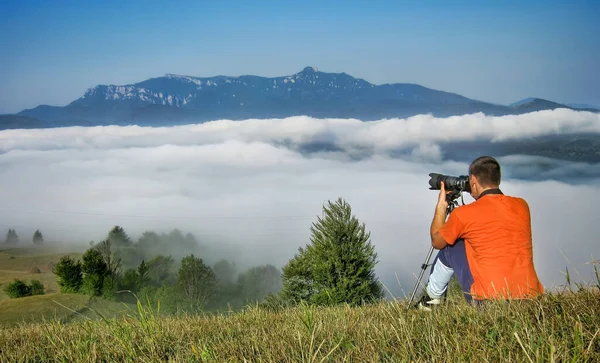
x: 347, y: 133
x: 247, y: 184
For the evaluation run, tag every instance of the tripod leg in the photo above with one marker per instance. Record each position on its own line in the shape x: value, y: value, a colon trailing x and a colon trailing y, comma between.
x: 451, y: 204
x: 423, y: 268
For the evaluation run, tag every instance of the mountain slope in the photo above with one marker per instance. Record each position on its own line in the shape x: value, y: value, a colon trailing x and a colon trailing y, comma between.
x: 535, y: 104
x: 177, y: 99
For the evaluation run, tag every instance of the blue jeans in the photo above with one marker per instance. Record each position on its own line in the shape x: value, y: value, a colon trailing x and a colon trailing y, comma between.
x: 455, y: 257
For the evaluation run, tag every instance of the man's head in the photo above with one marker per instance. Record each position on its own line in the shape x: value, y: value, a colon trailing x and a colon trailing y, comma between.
x: 484, y: 173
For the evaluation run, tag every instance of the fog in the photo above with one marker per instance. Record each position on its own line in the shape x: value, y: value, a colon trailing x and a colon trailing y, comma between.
x: 251, y: 189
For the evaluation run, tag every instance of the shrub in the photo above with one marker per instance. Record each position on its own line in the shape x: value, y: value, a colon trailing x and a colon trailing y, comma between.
x: 17, y: 289
x: 109, y: 287
x: 37, y: 288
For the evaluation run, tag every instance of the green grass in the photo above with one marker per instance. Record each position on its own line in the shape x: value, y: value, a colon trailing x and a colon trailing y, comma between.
x: 561, y: 326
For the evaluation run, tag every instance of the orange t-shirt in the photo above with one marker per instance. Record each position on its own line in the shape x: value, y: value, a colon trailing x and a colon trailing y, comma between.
x: 497, y: 234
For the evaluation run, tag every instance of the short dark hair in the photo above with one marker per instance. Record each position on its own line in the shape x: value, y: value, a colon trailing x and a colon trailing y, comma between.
x: 487, y: 171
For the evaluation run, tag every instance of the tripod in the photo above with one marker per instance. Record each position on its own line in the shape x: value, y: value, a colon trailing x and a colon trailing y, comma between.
x: 452, y: 203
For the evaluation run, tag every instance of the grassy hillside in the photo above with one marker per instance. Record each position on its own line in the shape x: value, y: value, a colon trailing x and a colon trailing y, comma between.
x: 20, y: 262
x: 557, y: 327
x: 560, y: 326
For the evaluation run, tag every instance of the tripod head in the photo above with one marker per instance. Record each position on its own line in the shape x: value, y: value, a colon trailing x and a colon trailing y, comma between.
x: 451, y: 198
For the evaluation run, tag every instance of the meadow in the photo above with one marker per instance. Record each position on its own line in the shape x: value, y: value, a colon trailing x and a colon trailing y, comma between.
x: 31, y: 263
x: 560, y: 326
x: 35, y: 263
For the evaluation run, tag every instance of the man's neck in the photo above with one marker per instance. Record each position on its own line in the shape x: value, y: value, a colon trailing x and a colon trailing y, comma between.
x: 490, y: 191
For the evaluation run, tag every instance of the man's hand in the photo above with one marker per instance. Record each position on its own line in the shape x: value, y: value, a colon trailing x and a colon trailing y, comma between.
x: 442, y: 203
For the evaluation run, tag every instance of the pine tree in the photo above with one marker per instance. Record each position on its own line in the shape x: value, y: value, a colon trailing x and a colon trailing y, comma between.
x: 11, y: 237
x: 338, y: 265
x: 143, y: 275
x: 95, y: 270
x: 38, y: 238
x: 118, y: 237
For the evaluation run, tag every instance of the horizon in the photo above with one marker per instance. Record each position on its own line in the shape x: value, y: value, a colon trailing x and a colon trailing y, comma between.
x: 498, y: 53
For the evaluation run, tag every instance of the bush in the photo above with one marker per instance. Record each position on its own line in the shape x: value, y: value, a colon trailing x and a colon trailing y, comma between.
x: 275, y: 303
x: 109, y: 287
x: 17, y: 289
x: 37, y: 288
x: 165, y: 298
x: 92, y: 285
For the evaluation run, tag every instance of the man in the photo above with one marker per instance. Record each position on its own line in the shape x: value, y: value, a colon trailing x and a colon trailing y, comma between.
x: 487, y: 243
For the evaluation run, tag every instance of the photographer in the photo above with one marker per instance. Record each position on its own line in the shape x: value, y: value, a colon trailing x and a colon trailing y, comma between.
x: 487, y: 243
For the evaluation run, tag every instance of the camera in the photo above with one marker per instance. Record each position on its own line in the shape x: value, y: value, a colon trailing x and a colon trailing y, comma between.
x: 456, y: 184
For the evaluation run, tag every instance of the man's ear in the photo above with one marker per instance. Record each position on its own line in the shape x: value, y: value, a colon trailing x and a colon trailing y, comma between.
x: 473, y: 183
x: 473, y: 180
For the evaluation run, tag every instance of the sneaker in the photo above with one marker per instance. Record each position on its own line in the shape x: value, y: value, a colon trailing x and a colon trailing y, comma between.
x: 427, y: 303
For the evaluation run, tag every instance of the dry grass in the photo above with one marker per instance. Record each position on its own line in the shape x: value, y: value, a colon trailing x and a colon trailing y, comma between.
x: 557, y: 327
x: 562, y: 326
x: 58, y: 307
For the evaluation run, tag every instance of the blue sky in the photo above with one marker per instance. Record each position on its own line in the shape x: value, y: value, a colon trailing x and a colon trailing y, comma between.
x: 502, y: 51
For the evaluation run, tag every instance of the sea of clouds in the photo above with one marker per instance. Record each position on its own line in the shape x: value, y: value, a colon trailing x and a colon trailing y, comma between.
x: 253, y: 188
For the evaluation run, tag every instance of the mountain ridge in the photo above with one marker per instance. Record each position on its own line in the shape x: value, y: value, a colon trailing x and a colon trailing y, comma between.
x: 175, y: 99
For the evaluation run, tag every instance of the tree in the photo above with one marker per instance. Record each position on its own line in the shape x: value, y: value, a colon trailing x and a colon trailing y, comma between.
x: 224, y: 271
x: 118, y: 238
x: 112, y: 260
x: 258, y: 282
x: 38, y: 238
x: 129, y: 280
x: 94, y: 272
x: 11, y: 237
x: 196, y: 282
x: 338, y: 265
x: 135, y: 280
x: 143, y: 272
x: 148, y: 241
x: 69, y: 274
x: 161, y: 270
x: 227, y: 292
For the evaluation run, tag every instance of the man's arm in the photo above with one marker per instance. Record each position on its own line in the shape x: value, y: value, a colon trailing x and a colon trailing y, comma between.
x: 439, y: 218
